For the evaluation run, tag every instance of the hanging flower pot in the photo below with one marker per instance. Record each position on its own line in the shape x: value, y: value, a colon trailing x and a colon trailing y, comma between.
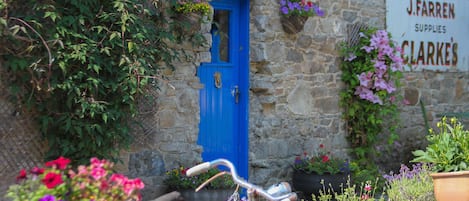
x: 451, y: 186
x: 294, y: 13
x: 293, y: 24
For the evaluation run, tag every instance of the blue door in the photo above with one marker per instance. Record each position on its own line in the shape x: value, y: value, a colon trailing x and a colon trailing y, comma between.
x: 223, y: 100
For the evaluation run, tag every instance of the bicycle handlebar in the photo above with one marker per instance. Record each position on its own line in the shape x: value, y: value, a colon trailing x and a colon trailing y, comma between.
x: 238, y: 180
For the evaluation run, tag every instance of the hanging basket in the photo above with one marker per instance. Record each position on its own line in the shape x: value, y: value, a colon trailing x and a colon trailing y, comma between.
x: 293, y: 24
x: 189, y: 23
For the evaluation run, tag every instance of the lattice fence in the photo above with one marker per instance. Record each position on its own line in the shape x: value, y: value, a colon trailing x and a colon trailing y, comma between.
x: 20, y: 142
x: 353, y: 33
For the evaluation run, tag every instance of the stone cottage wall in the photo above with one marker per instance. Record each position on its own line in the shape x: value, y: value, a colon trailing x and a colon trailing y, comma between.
x: 295, y: 84
x: 294, y: 94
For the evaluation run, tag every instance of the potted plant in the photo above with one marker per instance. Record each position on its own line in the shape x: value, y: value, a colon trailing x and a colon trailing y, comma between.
x: 58, y: 181
x: 220, y: 188
x: 448, y: 152
x: 190, y: 13
x: 310, y: 171
x: 294, y: 13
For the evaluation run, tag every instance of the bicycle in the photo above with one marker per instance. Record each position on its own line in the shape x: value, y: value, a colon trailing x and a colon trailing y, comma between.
x: 277, y: 192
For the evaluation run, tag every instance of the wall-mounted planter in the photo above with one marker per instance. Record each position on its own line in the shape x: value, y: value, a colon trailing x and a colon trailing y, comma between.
x: 293, y: 24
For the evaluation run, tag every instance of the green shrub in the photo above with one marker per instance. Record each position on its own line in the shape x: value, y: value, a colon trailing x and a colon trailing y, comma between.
x: 81, y: 65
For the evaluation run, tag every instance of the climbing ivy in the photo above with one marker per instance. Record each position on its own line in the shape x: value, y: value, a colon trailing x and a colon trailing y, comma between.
x: 80, y: 66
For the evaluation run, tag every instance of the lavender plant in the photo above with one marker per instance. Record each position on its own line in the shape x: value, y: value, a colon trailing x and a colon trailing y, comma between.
x: 410, y: 184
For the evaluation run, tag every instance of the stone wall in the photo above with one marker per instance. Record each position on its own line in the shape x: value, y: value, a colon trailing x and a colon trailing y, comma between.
x: 294, y: 94
x: 295, y: 84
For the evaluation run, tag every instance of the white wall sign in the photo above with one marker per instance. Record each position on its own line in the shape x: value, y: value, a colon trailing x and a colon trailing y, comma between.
x: 434, y: 34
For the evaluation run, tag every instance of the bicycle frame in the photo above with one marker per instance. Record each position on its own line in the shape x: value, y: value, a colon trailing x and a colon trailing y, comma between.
x: 252, y: 189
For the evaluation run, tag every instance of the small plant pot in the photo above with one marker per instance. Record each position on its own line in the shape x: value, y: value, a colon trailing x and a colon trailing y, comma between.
x: 293, y: 24
x: 451, y: 186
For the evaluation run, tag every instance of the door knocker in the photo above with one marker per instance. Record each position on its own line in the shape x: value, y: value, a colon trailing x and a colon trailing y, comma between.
x: 217, y: 78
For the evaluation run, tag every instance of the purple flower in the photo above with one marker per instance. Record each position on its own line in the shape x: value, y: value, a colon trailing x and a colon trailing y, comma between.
x: 318, y: 11
x: 283, y: 2
x: 47, y: 198
x: 284, y: 10
x: 367, y: 94
x: 296, y: 6
x: 350, y: 57
x: 381, y: 84
x: 368, y: 49
x: 365, y: 79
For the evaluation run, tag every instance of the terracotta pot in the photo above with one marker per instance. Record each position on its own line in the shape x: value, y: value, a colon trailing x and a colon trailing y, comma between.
x: 308, y: 184
x: 451, y: 186
x: 293, y: 24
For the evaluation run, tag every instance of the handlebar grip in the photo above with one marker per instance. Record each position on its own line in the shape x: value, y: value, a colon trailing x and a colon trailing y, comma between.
x: 198, y: 169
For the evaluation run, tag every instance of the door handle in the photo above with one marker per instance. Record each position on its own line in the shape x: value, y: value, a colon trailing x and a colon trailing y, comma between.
x: 236, y: 94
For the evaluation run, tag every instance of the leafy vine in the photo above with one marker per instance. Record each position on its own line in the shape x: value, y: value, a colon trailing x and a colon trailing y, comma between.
x: 81, y: 65
x: 371, y: 72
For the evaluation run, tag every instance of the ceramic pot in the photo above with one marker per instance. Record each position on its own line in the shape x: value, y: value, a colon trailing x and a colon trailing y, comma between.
x: 451, y: 186
x: 293, y: 24
x: 308, y: 184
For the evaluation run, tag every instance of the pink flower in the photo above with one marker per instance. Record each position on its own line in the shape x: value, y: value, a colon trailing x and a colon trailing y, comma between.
x: 118, y: 179
x: 367, y: 187
x: 82, y: 170
x: 98, y: 173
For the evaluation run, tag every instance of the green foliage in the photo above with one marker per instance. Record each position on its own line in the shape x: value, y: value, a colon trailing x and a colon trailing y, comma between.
x: 448, y: 150
x: 320, y: 163
x: 81, y: 65
x: 350, y: 192
x: 176, y: 179
x: 370, y: 109
x: 192, y: 6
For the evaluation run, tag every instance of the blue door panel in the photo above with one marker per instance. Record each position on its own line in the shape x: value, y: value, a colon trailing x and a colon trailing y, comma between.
x: 223, y: 117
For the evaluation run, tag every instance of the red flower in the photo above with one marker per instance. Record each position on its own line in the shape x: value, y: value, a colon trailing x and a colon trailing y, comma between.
x: 37, y: 171
x: 51, y: 180
x: 22, y: 175
x: 184, y: 171
x: 321, y: 146
x: 325, y: 158
x: 60, y: 163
